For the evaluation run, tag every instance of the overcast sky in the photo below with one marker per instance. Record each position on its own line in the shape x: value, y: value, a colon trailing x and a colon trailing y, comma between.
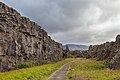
x: 73, y: 21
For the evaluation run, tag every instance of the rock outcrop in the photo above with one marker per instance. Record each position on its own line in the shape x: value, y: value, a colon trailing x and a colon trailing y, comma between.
x: 109, y: 51
x: 23, y: 40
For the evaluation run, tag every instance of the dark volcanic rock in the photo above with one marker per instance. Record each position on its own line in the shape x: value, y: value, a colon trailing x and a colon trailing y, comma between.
x: 109, y: 51
x: 23, y: 40
x: 115, y: 60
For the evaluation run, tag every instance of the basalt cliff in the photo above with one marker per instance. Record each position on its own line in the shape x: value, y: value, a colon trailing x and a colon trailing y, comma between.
x: 109, y: 52
x: 23, y: 40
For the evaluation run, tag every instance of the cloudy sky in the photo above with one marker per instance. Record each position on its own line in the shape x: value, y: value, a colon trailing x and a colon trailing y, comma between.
x: 73, y: 21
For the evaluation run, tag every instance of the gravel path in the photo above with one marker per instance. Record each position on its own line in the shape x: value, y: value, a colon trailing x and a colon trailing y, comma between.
x: 61, y: 74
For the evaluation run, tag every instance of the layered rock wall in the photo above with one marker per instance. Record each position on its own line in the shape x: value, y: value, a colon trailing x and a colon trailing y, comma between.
x: 23, y: 40
x: 109, y: 51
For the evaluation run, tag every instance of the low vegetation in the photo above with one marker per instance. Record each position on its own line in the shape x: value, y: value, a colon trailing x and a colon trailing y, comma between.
x: 35, y: 73
x: 90, y: 69
x: 81, y: 69
x: 31, y: 64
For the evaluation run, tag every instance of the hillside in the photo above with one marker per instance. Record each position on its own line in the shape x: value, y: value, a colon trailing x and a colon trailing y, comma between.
x: 76, y: 47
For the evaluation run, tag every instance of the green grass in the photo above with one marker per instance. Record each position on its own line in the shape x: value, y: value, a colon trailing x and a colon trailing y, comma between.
x: 90, y: 69
x: 35, y: 73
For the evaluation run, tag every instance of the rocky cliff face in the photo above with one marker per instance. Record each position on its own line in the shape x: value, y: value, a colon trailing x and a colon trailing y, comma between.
x: 23, y: 40
x: 109, y: 51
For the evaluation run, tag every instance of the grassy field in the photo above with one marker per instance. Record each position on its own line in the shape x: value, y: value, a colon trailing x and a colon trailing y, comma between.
x: 90, y: 69
x: 35, y: 73
x: 81, y: 69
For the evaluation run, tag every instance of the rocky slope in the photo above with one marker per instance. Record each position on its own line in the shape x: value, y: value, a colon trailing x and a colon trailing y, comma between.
x: 23, y: 40
x: 109, y: 51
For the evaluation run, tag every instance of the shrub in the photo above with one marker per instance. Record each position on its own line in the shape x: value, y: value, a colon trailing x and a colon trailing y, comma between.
x: 32, y: 64
x: 22, y: 65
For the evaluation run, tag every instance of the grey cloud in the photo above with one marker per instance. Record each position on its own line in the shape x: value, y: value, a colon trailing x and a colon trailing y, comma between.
x: 73, y: 21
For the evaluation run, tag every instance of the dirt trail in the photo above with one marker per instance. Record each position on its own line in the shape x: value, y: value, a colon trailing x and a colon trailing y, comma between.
x: 61, y: 74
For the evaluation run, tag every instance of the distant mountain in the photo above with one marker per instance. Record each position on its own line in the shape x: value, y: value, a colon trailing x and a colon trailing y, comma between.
x: 76, y: 47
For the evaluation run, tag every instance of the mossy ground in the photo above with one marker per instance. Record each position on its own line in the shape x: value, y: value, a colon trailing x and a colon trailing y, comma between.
x: 35, y: 73
x: 90, y: 69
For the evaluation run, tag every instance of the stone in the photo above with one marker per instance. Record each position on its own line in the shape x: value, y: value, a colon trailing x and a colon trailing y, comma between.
x: 109, y: 52
x: 23, y: 40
